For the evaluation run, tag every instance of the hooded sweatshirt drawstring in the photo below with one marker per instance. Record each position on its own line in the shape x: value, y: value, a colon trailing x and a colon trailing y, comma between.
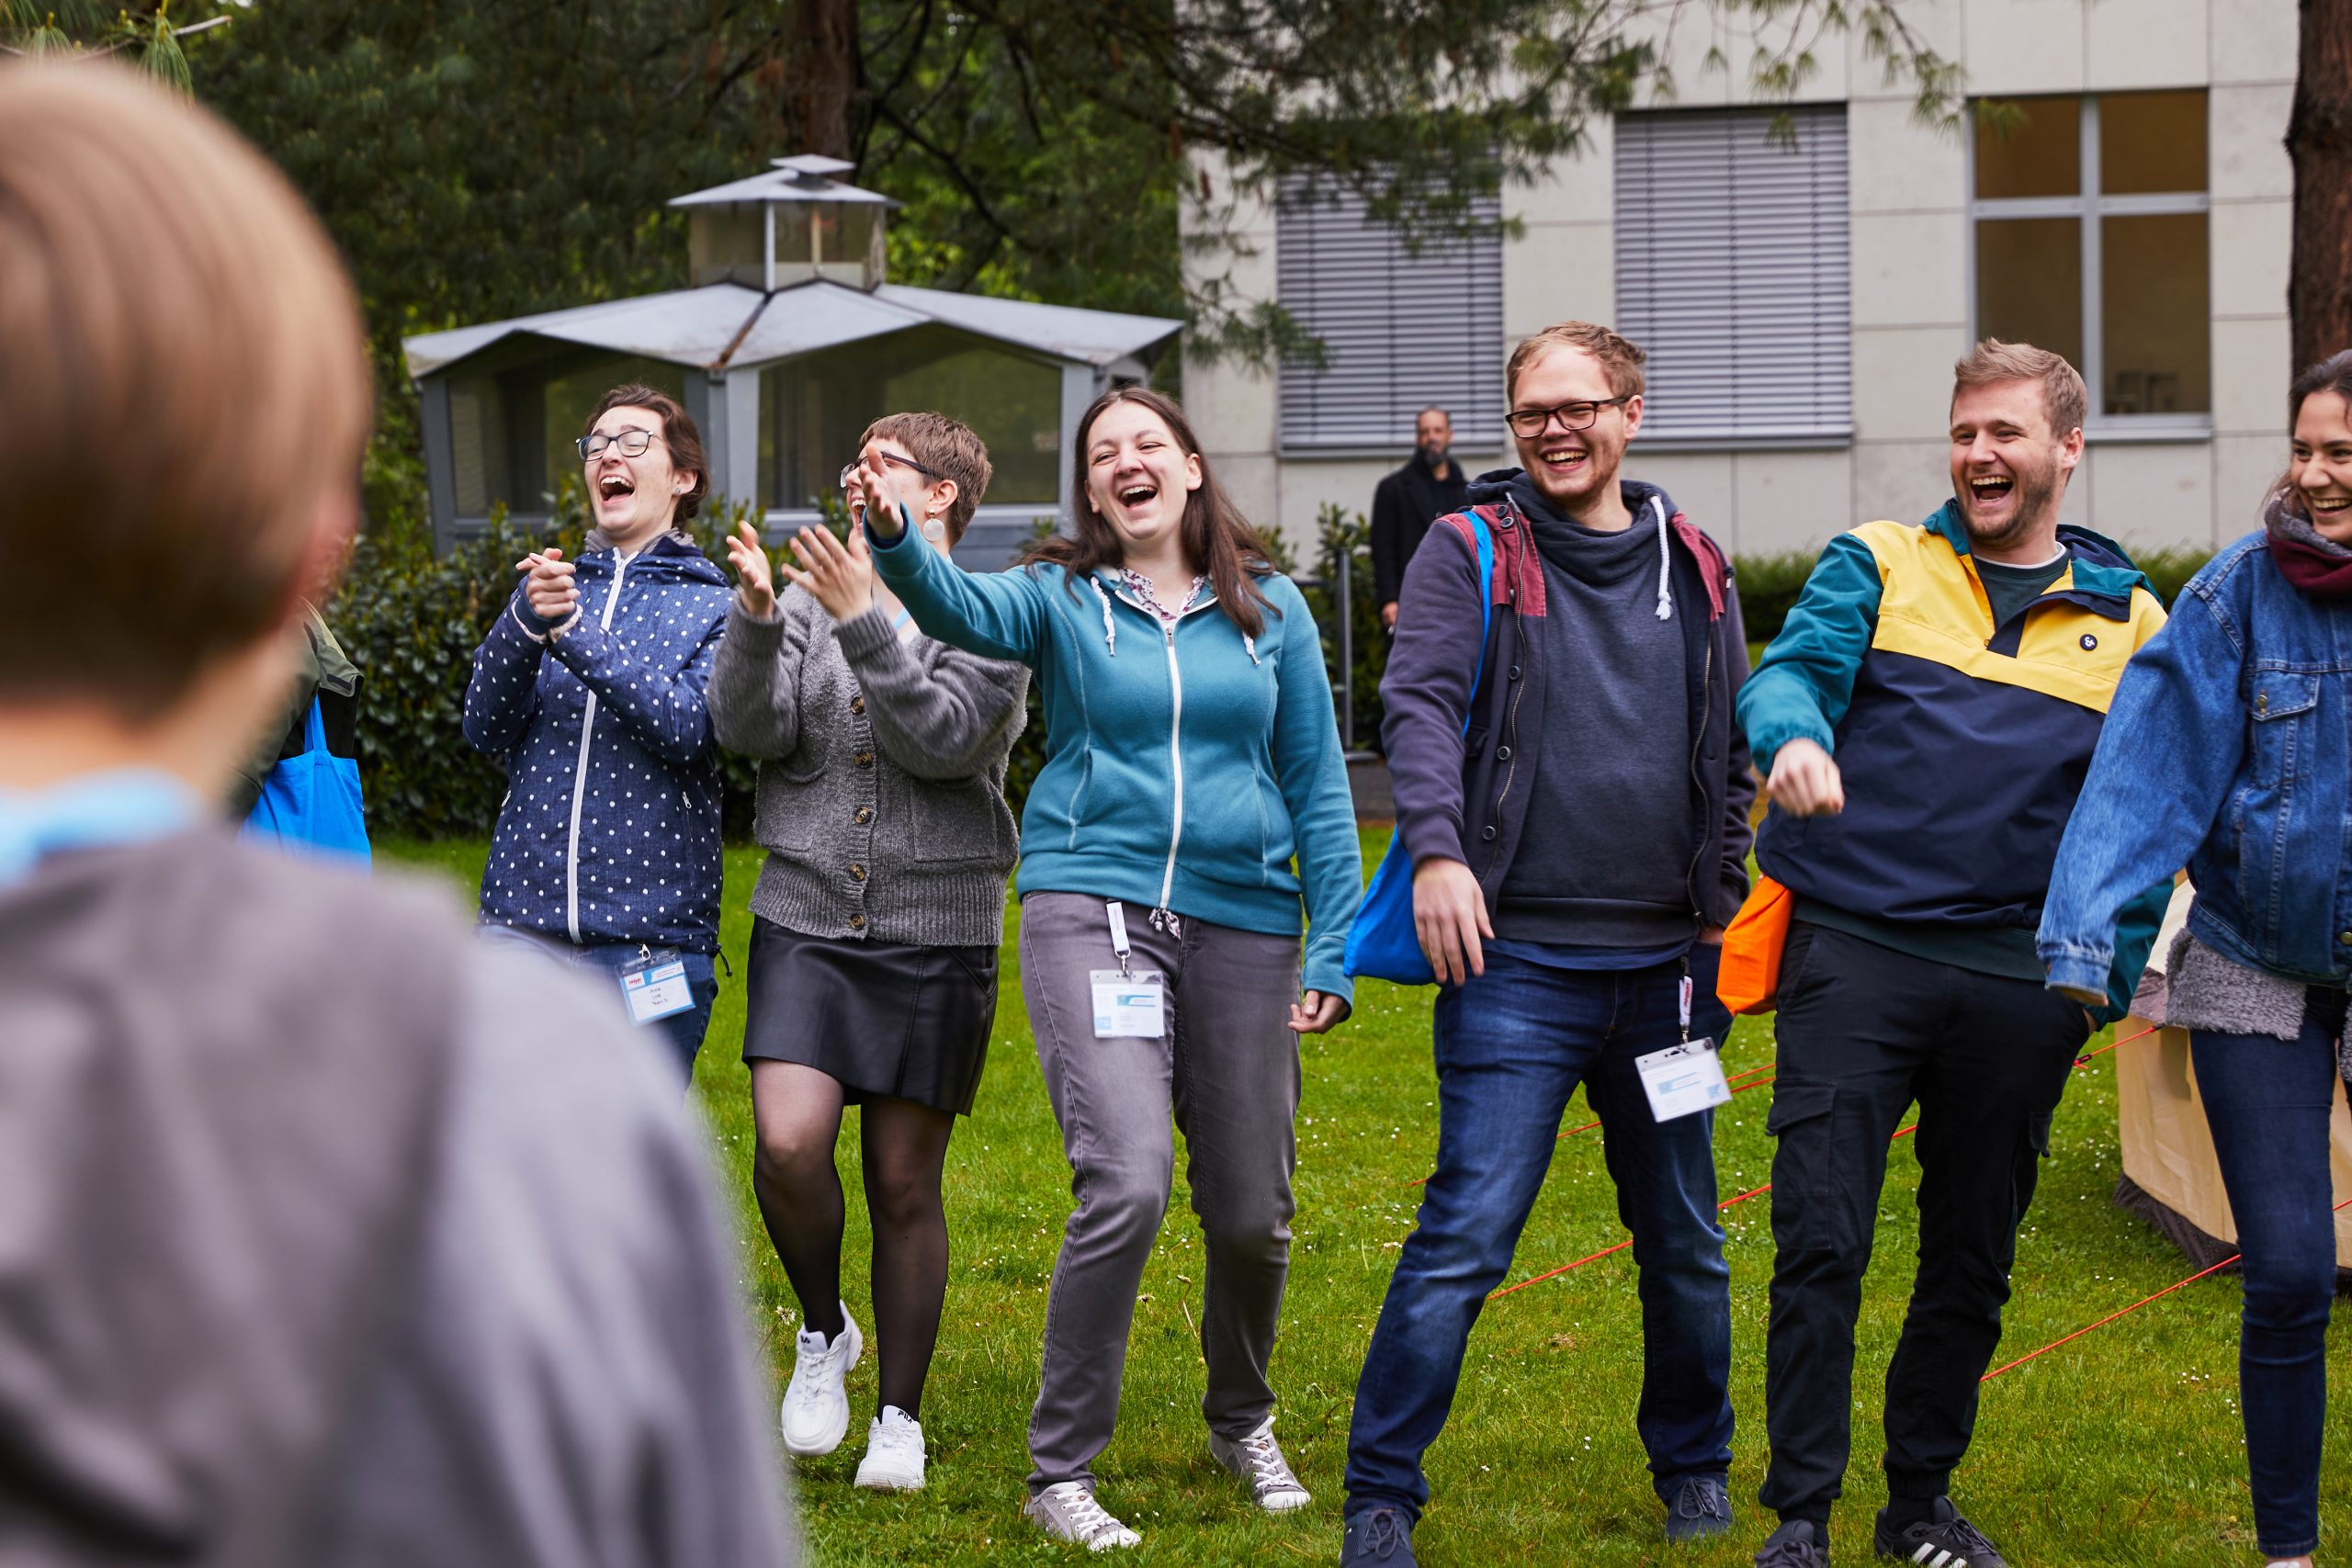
x: 1664, y: 564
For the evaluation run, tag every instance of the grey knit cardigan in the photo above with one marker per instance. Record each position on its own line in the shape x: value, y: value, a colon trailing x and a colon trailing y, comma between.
x: 881, y: 800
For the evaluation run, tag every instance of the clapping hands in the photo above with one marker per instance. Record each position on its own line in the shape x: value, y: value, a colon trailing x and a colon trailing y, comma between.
x: 550, y: 587
x: 755, y: 580
x: 840, y: 575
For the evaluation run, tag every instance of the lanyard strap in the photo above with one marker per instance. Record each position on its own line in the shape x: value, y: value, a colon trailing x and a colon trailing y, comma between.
x: 1119, y: 938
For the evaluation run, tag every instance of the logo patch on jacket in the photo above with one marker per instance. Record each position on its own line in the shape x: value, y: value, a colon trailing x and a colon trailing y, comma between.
x: 2090, y: 643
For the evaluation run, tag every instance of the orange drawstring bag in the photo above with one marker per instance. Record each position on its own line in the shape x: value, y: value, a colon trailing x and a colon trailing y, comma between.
x: 1749, y: 979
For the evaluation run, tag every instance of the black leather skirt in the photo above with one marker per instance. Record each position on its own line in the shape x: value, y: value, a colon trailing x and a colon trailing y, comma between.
x: 887, y: 1021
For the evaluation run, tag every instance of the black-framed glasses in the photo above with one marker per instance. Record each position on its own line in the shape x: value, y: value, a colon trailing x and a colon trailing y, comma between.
x: 1571, y: 417
x: 849, y: 469
x: 631, y: 441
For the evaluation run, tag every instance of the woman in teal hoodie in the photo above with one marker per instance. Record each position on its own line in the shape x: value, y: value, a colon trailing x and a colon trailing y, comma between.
x: 1191, y: 755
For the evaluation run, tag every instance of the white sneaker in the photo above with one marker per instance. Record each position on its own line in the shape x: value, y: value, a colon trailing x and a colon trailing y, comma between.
x: 893, y: 1461
x: 1067, y: 1510
x: 815, y: 1417
x: 1258, y: 1460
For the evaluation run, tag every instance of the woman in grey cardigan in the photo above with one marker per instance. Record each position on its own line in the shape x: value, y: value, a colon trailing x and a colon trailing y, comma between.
x: 876, y: 920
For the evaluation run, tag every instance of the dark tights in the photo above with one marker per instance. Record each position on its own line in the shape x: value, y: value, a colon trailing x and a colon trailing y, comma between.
x: 797, y: 1112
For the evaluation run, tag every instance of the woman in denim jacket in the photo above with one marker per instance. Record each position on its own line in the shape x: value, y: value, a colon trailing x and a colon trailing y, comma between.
x: 2228, y: 746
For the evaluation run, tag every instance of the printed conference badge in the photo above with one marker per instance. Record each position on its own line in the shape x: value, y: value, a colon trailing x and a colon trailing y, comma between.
x: 1682, y: 1079
x: 1128, y: 1007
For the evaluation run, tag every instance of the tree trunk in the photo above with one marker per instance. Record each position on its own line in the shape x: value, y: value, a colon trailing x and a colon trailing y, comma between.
x: 2319, y: 140
x: 820, y: 77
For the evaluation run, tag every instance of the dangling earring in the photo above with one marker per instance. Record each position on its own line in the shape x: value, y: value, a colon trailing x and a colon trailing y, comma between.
x: 932, y: 528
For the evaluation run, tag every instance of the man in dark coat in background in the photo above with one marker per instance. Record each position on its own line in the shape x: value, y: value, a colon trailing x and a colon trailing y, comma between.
x: 1430, y: 485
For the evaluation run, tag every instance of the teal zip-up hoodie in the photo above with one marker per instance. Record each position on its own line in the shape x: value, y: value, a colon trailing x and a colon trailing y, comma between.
x: 1185, y: 767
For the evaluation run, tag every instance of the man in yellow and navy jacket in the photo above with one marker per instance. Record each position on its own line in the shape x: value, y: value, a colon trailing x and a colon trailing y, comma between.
x: 1925, y: 720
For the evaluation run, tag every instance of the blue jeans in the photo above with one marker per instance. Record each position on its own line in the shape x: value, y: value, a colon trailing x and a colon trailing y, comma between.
x: 681, y: 1031
x: 1511, y: 1046
x: 2268, y: 1102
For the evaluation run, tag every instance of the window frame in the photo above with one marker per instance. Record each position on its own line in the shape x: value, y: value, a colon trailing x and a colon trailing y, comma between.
x: 2084, y: 209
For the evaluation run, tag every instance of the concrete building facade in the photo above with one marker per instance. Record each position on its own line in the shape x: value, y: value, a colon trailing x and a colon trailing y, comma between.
x: 2128, y: 204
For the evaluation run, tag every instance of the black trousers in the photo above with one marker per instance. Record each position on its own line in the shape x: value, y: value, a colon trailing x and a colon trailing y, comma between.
x: 1864, y: 1031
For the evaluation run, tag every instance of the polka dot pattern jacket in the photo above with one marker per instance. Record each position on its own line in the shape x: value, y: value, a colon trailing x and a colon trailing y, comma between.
x: 609, y: 831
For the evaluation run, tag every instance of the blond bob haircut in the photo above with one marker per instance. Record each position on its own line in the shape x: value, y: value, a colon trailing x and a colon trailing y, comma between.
x: 2064, y: 399
x: 947, y: 447
x: 1620, y: 362
x: 183, y: 384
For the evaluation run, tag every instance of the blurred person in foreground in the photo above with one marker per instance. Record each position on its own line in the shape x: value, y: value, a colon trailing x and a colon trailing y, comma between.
x: 305, y: 1257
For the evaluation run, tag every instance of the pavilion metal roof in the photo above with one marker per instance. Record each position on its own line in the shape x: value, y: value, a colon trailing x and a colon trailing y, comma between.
x: 726, y: 325
x: 806, y: 177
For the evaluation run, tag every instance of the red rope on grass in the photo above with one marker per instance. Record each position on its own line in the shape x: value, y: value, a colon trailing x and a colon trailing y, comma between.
x: 2127, y: 1312
x: 2085, y: 1058
x: 1595, y: 1257
x: 1606, y: 1251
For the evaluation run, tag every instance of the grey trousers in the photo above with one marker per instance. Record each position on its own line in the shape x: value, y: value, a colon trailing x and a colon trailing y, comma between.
x: 1227, y: 1069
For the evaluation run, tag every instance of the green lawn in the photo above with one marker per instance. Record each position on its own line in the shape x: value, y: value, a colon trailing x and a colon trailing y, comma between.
x: 2122, y: 1447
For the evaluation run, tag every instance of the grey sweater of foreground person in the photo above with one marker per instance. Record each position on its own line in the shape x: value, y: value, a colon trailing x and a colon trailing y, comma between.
x: 331, y: 1238
x: 881, y: 773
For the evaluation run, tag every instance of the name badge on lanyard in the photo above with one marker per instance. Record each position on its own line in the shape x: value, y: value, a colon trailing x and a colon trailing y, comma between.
x: 654, y: 985
x: 1686, y: 1078
x: 1127, y: 1005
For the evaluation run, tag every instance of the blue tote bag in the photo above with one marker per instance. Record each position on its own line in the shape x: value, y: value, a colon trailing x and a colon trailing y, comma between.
x: 310, y: 802
x: 1381, y: 943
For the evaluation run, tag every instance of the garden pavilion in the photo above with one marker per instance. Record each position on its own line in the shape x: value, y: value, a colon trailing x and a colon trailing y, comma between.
x: 788, y: 341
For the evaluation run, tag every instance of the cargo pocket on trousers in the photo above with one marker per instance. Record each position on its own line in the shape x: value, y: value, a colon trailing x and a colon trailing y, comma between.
x: 1809, y: 1196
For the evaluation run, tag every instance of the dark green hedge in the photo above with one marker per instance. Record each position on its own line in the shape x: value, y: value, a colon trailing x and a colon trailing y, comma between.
x: 411, y: 621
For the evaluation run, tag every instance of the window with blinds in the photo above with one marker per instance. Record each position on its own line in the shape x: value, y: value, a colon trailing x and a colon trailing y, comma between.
x: 1402, y: 328
x: 1733, y: 274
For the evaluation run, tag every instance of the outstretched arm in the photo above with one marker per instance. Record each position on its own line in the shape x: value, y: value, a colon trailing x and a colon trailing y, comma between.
x: 2174, y: 739
x: 1791, y: 706
x: 998, y: 615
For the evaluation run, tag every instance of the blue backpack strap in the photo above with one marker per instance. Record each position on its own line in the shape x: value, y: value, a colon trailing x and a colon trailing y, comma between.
x: 1485, y: 539
x: 1382, y: 942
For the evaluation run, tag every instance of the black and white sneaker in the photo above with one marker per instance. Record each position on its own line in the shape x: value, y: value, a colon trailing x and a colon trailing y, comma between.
x: 1944, y: 1540
x: 1798, y: 1543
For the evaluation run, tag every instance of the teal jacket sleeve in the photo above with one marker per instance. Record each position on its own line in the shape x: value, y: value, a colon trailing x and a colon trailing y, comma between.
x: 1312, y: 772
x: 2135, y: 932
x: 1802, y: 685
x: 997, y: 614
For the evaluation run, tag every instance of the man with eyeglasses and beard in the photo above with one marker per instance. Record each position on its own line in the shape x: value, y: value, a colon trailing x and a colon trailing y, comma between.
x: 1574, y: 798
x: 1430, y: 485
x: 1926, y: 718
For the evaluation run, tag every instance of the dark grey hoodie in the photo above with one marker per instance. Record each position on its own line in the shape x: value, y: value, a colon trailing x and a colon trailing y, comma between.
x: 1604, y: 862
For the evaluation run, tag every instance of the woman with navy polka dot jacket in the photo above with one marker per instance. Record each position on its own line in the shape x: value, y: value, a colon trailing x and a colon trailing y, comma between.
x: 589, y: 690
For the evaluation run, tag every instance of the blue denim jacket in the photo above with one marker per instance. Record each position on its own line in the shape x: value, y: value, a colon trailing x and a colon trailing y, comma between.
x: 2229, y: 746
